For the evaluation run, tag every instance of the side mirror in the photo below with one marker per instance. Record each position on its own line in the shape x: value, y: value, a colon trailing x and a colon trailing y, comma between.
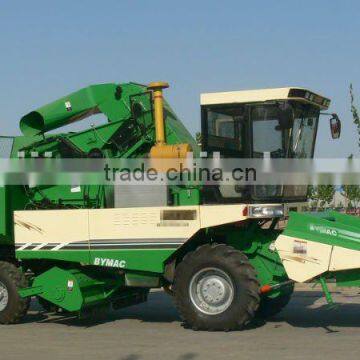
x: 335, y: 126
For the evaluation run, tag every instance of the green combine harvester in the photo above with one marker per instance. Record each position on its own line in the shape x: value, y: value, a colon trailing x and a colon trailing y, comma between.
x: 77, y: 248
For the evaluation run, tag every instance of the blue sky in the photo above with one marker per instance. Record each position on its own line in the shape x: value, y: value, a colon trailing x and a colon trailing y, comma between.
x: 50, y: 49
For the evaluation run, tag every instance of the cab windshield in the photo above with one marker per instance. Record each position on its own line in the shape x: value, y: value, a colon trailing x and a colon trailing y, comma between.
x: 278, y: 130
x: 283, y: 132
x: 268, y: 130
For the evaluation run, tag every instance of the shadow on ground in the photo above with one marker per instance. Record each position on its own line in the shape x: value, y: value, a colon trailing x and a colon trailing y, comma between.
x: 158, y: 309
x: 306, y: 310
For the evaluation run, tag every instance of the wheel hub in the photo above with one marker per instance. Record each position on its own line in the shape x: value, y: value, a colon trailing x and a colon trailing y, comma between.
x: 211, y: 291
x: 4, y: 296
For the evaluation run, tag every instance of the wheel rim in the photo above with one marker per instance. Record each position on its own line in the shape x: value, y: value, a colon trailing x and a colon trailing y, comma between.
x: 211, y: 291
x: 4, y: 296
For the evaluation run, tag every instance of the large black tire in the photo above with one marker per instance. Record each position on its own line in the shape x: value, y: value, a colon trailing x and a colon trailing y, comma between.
x: 12, y: 279
x: 270, y: 307
x: 232, y: 265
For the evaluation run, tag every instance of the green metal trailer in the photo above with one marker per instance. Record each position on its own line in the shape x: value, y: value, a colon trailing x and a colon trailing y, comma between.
x: 207, y: 246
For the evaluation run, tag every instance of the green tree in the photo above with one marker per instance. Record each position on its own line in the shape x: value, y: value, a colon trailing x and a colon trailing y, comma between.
x: 355, y: 112
x: 352, y: 193
x: 321, y: 195
x: 312, y: 196
x: 198, y: 138
x: 325, y: 194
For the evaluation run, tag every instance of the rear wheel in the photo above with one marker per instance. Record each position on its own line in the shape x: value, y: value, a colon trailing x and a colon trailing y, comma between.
x: 12, y: 307
x: 216, y: 288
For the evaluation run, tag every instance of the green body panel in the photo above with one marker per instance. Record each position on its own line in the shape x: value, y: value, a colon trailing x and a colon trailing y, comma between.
x: 141, y: 260
x: 76, y: 256
x: 116, y: 102
x: 4, y: 235
x: 142, y: 280
x: 128, y: 133
x: 186, y: 196
x: 256, y: 243
x: 89, y: 196
x: 21, y: 142
x: 73, y: 107
x: 348, y: 278
x: 11, y: 198
x: 348, y: 220
x: 329, y: 228
x: 74, y: 289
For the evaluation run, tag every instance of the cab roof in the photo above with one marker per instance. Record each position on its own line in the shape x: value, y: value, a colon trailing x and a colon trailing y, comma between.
x: 262, y: 95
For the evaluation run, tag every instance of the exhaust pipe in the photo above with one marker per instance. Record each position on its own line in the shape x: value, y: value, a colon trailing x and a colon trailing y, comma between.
x: 161, y: 149
x: 157, y: 89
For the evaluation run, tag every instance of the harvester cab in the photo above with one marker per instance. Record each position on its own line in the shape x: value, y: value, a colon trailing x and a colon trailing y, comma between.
x: 278, y: 122
x: 206, y: 246
x: 270, y: 123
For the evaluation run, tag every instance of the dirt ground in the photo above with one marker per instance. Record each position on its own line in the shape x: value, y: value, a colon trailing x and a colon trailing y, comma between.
x: 306, y: 329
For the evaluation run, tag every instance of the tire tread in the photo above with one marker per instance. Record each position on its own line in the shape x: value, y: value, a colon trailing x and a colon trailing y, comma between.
x: 236, y: 260
x: 20, y: 281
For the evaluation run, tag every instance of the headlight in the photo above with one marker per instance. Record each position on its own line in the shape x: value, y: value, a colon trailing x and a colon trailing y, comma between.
x: 265, y: 211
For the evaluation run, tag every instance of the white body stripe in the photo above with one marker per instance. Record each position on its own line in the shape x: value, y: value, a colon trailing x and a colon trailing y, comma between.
x: 59, y: 246
x: 24, y: 246
x: 39, y: 246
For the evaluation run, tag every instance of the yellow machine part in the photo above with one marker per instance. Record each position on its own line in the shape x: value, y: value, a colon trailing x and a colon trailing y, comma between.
x: 165, y: 151
x: 162, y: 150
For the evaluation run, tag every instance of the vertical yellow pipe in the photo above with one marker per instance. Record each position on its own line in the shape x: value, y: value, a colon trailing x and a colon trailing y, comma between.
x: 161, y: 150
x: 157, y: 88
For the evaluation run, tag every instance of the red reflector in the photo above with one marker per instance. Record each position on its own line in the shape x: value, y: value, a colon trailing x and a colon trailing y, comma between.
x: 265, y: 289
x: 245, y: 211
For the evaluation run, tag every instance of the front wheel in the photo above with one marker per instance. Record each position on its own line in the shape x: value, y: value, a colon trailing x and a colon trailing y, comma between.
x: 12, y: 307
x: 216, y: 288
